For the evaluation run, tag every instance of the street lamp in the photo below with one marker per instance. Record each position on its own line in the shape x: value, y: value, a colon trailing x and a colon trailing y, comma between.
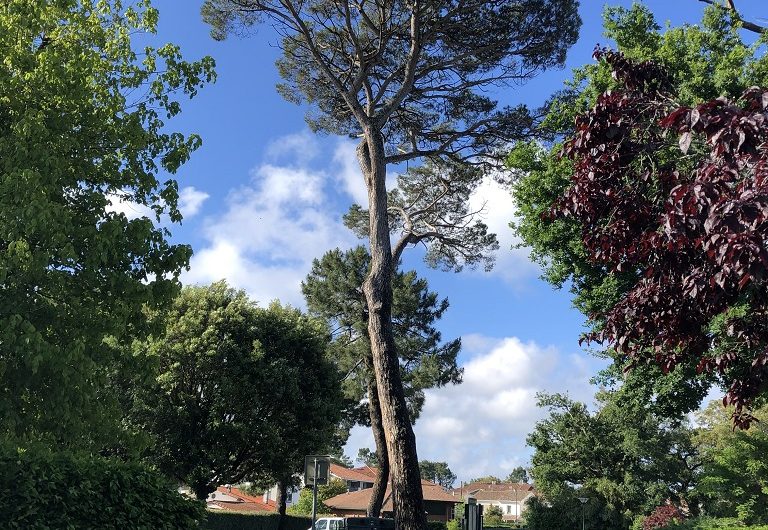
x: 583, y: 503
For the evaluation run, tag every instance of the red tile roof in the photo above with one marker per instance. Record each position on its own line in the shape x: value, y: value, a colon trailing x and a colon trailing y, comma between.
x: 491, y: 491
x: 358, y: 500
x: 242, y: 503
x: 360, y: 474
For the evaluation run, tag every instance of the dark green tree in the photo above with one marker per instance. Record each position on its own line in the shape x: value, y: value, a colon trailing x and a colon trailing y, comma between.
x: 82, y: 127
x: 437, y: 472
x: 735, y: 471
x: 367, y: 457
x: 333, y: 292
x: 487, y: 479
x: 624, y: 457
x: 243, y: 393
x: 519, y: 474
x: 304, y: 505
x: 703, y: 61
x: 410, y: 80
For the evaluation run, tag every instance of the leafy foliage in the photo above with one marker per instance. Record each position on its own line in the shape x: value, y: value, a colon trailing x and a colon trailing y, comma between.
x: 662, y: 517
x: 625, y: 458
x: 367, y: 457
x: 82, y: 129
x: 242, y: 392
x: 700, y: 62
x: 437, y: 472
x: 304, y: 505
x: 223, y: 520
x: 41, y: 489
x: 695, y: 236
x: 519, y: 474
x: 735, y: 477
x: 333, y: 292
x: 492, y: 516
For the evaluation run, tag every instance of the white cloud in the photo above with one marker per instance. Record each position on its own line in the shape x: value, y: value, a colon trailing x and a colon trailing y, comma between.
x: 479, y: 427
x: 190, y: 201
x: 512, y: 264
x: 272, y: 228
x: 350, y: 175
x: 130, y: 209
x: 298, y: 148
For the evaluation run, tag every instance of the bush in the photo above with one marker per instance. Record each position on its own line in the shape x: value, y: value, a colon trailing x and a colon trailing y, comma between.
x: 42, y: 490
x: 662, y: 517
x: 492, y: 517
x: 436, y: 525
x: 707, y: 523
x: 258, y: 521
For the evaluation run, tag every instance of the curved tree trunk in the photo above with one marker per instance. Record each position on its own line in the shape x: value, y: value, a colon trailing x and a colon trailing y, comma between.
x: 407, y: 495
x: 377, y: 426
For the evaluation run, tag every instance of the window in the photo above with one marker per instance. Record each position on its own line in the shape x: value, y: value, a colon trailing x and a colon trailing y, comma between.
x: 334, y: 525
x: 509, y: 508
x: 321, y: 524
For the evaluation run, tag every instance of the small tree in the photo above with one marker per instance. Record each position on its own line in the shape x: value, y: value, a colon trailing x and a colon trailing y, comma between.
x: 367, y: 457
x: 519, y: 474
x: 437, y: 472
x: 304, y: 505
x: 243, y: 393
x: 409, y: 79
x: 492, y: 516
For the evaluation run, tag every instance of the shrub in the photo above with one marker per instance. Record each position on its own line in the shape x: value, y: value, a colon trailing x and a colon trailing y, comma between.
x: 41, y: 490
x: 436, y: 525
x: 492, y: 517
x: 257, y: 521
x: 662, y: 517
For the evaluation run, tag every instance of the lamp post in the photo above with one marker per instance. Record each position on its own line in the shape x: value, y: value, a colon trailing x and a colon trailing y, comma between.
x: 583, y: 501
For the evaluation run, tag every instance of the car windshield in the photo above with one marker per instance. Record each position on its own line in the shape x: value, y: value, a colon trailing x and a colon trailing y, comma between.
x: 321, y: 524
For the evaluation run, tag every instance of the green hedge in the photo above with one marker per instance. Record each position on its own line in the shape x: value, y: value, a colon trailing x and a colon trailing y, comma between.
x: 44, y: 490
x: 218, y: 520
x: 706, y: 523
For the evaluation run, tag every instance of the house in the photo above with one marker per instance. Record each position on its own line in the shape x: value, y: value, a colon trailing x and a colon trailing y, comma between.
x: 233, y: 499
x: 510, y: 497
x: 438, y: 503
x: 358, y: 478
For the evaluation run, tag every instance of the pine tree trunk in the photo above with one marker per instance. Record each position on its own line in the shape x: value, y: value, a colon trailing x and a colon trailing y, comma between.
x: 407, y: 495
x: 377, y: 426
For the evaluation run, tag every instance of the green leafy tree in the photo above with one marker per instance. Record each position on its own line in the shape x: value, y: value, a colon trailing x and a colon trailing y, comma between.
x: 703, y: 61
x: 243, y: 393
x: 410, y: 80
x: 437, y: 472
x: 367, y: 457
x: 519, y: 474
x: 332, y: 290
x: 82, y: 127
x: 735, y: 477
x: 492, y: 516
x: 487, y: 479
x: 625, y: 458
x: 304, y: 505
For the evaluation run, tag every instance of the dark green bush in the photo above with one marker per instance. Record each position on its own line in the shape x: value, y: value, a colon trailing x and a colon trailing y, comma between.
x: 258, y: 521
x: 436, y: 525
x: 44, y: 490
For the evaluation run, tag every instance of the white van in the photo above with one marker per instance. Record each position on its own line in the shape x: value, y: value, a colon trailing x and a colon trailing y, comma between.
x: 329, y: 523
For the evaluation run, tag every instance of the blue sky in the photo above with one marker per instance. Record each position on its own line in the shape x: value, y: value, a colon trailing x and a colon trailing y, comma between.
x: 264, y: 196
